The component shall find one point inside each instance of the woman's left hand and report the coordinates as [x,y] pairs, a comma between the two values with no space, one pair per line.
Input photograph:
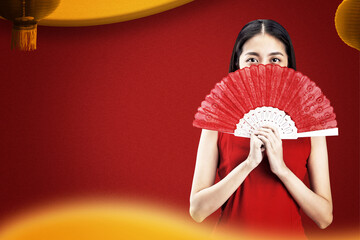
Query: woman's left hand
[273,145]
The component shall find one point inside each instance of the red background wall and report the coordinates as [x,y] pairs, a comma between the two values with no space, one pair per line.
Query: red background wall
[108,110]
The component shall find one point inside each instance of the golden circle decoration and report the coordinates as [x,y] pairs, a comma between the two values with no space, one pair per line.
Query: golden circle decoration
[94,12]
[113,220]
[101,221]
[347,22]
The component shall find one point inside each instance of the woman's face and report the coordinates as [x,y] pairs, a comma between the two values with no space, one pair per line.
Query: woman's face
[263,49]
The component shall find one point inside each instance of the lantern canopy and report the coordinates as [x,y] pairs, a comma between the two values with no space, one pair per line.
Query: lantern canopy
[25,15]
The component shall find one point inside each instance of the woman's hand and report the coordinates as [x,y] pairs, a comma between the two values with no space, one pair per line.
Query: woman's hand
[256,152]
[273,145]
[206,195]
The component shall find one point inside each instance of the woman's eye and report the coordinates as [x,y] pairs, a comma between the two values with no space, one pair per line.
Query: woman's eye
[251,60]
[275,60]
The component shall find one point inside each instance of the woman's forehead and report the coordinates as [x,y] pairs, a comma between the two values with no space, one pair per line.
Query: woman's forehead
[263,43]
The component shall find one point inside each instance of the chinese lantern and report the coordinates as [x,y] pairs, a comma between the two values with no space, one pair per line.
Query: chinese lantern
[25,14]
[347,22]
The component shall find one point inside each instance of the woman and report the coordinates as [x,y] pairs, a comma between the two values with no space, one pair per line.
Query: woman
[261,178]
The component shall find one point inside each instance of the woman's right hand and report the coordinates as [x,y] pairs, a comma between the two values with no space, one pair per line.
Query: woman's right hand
[256,153]
[206,195]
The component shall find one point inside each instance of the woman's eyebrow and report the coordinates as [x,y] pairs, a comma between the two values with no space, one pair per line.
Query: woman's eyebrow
[252,53]
[276,53]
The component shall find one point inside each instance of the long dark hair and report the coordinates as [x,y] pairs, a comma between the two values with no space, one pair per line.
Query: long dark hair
[255,27]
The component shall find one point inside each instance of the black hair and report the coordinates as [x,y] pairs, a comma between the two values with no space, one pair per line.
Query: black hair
[255,27]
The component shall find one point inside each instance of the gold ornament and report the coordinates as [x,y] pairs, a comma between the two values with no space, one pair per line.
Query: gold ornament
[25,15]
[347,22]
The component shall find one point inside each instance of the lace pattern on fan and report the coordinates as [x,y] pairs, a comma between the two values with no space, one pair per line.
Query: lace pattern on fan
[242,92]
[266,116]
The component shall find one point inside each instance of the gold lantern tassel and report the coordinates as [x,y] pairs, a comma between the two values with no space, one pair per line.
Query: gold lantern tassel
[23,35]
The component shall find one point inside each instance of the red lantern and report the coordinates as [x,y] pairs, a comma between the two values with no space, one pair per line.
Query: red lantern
[25,15]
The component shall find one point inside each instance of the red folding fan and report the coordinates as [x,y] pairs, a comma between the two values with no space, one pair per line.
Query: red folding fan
[267,95]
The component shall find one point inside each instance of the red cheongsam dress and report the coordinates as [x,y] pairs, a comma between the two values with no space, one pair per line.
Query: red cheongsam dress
[262,202]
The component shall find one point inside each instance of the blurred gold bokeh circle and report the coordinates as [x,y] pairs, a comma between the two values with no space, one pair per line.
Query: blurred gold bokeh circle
[100,219]
[93,12]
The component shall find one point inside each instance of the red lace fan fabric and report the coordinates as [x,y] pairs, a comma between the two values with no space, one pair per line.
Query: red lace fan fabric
[265,85]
